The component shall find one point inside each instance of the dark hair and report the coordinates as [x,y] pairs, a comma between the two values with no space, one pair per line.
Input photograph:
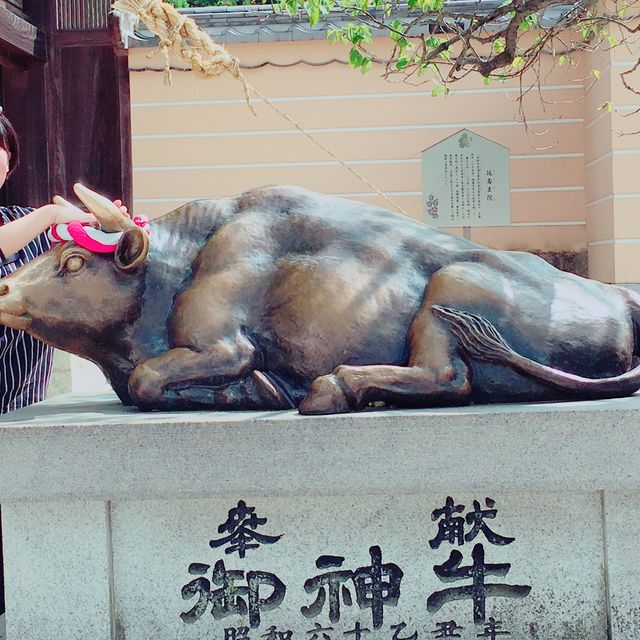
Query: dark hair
[9,141]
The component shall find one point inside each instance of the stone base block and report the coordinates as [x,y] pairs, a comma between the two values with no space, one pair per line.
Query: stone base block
[480,522]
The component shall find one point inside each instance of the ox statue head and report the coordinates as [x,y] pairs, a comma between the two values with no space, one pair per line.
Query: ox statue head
[73,298]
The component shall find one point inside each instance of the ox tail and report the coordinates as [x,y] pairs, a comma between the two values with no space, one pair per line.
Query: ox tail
[480,340]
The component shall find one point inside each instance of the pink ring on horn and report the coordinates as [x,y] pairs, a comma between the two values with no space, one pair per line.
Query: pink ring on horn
[93,239]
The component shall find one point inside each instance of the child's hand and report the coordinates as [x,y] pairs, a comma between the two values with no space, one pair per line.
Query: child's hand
[59,201]
[122,207]
[59,214]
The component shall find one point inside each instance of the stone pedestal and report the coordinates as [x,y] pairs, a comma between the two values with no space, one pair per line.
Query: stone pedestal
[472,522]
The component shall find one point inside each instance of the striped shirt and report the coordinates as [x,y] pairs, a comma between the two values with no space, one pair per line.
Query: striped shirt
[25,363]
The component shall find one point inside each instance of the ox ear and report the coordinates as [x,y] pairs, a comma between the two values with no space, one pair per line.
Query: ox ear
[132,249]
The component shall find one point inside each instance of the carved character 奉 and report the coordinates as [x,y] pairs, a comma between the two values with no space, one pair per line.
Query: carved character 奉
[281,297]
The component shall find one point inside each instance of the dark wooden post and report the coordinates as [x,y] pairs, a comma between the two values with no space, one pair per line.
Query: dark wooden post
[22,66]
[69,100]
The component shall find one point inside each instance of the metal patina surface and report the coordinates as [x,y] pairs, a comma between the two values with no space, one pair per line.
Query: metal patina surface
[282,298]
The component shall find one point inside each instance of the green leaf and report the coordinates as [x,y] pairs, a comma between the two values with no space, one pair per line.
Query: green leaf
[589,28]
[366,64]
[518,63]
[596,74]
[613,41]
[486,80]
[562,60]
[396,30]
[429,66]
[287,7]
[402,63]
[336,35]
[355,58]
[314,14]
[528,22]
[357,33]
[437,91]
[499,45]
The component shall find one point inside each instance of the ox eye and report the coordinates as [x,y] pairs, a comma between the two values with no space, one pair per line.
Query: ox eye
[73,264]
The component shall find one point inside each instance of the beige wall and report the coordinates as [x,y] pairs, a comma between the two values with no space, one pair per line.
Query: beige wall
[612,155]
[197,138]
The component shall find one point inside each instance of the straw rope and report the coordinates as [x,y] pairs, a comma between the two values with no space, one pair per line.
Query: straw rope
[181,34]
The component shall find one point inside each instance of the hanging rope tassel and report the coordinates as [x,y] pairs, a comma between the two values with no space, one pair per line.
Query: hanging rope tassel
[181,34]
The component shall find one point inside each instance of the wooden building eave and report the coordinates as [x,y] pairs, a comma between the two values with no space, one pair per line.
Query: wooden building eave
[20,41]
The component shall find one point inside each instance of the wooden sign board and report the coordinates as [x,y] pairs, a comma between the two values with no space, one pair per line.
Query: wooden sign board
[465,182]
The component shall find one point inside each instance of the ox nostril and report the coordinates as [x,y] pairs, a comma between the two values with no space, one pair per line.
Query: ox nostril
[4,289]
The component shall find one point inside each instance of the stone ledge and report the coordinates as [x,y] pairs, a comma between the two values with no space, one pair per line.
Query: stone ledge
[89,447]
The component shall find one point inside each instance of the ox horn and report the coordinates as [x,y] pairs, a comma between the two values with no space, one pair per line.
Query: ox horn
[109,216]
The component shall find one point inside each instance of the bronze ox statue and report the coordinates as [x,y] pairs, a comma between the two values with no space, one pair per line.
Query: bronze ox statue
[281,297]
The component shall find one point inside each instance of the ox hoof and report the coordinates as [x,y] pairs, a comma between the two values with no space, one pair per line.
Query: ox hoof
[325,396]
[145,387]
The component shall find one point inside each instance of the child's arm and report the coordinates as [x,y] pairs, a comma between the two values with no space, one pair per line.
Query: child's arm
[18,233]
